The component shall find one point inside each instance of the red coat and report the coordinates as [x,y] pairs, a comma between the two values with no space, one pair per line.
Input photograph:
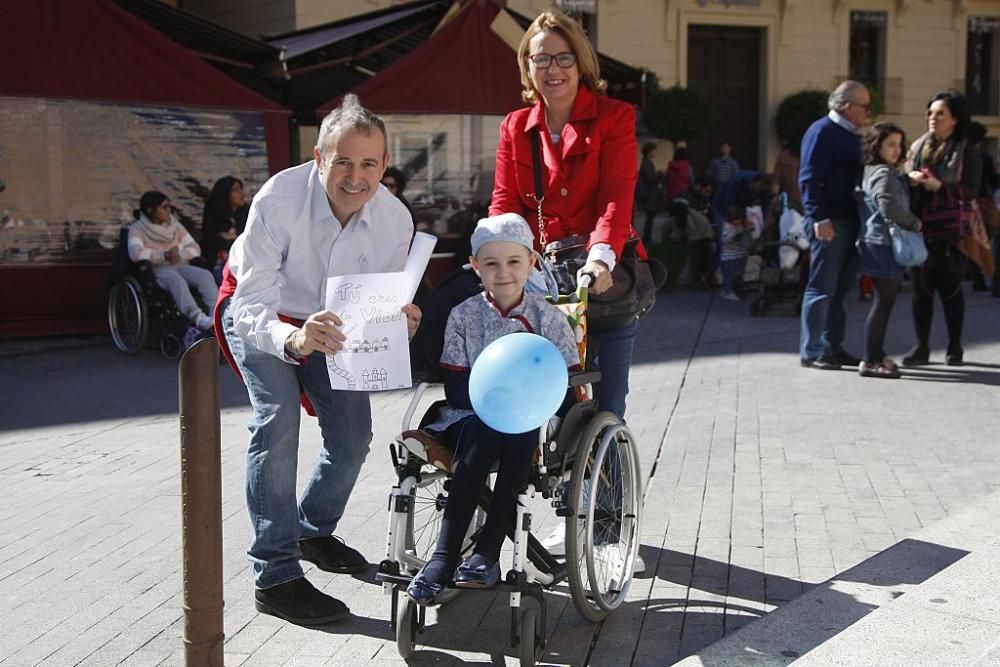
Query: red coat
[589,176]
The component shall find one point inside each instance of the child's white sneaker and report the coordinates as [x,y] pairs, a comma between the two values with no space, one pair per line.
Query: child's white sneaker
[730,296]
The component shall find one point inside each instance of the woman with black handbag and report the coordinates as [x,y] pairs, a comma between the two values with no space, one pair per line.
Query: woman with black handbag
[568,165]
[945,171]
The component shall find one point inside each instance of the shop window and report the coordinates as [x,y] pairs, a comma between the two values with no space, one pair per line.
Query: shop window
[867,49]
[981,65]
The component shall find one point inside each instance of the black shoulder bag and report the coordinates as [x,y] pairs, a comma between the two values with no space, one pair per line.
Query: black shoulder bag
[633,291]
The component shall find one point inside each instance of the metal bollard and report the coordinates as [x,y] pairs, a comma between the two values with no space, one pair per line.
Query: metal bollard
[201,504]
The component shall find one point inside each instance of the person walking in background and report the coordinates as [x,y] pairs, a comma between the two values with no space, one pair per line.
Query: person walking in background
[219,224]
[942,160]
[691,210]
[987,206]
[735,240]
[648,196]
[395,181]
[887,200]
[829,171]
[679,175]
[724,166]
[786,175]
[159,238]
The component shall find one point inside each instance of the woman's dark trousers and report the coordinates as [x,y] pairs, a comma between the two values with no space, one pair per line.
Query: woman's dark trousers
[942,273]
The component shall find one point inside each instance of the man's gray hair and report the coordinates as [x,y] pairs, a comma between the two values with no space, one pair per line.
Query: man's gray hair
[844,94]
[349,115]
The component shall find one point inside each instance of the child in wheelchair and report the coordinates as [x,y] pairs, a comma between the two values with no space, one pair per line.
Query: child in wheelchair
[502,256]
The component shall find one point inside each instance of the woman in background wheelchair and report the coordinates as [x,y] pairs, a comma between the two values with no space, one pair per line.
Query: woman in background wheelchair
[159,238]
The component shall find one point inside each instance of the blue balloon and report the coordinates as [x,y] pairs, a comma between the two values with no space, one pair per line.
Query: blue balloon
[518,382]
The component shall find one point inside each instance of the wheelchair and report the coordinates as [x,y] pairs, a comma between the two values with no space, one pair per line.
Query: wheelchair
[586,464]
[141,314]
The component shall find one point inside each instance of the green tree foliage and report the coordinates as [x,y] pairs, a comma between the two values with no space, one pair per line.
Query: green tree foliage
[677,113]
[797,112]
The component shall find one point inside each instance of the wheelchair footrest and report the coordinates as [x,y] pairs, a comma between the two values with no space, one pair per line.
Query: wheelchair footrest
[402,581]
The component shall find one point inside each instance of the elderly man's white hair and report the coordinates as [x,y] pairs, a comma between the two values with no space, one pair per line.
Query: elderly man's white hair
[844,94]
[349,115]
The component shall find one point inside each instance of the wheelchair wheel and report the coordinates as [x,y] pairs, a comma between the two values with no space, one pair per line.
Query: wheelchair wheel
[407,625]
[170,346]
[602,533]
[527,643]
[423,524]
[127,317]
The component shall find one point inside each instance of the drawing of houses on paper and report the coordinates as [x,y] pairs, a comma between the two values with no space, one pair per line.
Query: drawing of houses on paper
[374,379]
[376,354]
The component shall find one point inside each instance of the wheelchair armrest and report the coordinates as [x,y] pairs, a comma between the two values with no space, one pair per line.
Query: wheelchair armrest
[580,378]
[200,262]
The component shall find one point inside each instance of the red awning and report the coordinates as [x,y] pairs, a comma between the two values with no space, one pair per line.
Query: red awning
[465,68]
[95,50]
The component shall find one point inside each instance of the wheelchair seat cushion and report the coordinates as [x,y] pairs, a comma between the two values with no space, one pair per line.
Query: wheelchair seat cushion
[428,448]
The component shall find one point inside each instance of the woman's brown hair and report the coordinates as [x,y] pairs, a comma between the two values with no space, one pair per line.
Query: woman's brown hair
[878,133]
[570,30]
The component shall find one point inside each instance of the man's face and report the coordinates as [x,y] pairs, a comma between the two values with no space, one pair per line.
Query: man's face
[858,109]
[351,170]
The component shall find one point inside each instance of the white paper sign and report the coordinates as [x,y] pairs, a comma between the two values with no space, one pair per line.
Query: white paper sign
[376,354]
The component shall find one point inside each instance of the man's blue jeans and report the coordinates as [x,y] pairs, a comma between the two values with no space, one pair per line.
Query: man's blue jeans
[832,273]
[613,359]
[279,519]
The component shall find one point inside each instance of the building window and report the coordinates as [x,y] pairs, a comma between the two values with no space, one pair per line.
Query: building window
[981,65]
[584,11]
[867,49]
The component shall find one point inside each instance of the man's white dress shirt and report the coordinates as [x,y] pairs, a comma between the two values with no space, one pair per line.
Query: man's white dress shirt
[293,243]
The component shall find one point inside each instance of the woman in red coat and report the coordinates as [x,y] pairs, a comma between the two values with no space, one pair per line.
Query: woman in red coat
[589,154]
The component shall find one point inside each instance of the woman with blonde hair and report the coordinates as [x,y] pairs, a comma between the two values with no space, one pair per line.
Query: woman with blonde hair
[587,149]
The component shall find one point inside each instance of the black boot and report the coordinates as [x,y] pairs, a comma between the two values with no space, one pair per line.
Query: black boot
[953,357]
[918,356]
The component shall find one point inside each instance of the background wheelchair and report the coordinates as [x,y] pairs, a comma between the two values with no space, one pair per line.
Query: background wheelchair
[586,464]
[140,313]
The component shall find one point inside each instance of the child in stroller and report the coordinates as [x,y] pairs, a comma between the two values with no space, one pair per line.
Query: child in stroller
[778,263]
[502,249]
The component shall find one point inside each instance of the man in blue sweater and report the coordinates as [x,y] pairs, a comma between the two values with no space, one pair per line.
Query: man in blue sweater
[829,170]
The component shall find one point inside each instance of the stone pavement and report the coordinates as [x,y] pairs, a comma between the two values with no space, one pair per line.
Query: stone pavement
[763,479]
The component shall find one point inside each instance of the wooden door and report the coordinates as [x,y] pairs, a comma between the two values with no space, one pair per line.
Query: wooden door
[724,62]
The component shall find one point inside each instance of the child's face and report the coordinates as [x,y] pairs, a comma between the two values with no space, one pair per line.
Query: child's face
[503,267]
[725,149]
[891,148]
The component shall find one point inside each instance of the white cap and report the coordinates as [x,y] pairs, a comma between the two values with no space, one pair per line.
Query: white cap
[508,227]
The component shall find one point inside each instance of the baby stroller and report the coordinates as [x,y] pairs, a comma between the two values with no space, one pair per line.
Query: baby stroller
[586,464]
[777,267]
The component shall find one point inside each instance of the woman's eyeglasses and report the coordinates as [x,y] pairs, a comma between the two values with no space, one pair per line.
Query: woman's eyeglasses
[544,60]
